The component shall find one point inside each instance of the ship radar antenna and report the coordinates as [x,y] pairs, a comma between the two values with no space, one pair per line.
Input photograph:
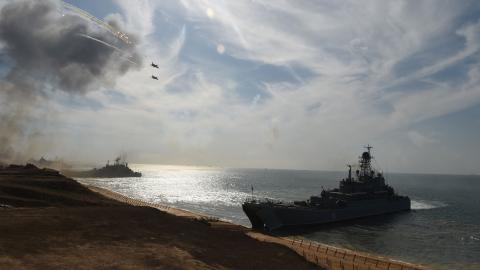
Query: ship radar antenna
[368,147]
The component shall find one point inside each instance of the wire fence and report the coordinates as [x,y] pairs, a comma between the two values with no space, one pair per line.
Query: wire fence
[129,200]
[341,259]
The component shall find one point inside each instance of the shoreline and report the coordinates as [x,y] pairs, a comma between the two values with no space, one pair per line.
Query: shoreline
[52,221]
[323,255]
[49,221]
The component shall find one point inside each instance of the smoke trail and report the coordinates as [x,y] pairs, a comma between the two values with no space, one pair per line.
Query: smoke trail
[111,26]
[41,52]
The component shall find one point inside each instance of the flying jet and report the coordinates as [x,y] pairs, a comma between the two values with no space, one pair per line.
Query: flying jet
[155,78]
[154,65]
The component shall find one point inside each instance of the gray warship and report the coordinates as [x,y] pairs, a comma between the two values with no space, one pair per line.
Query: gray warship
[362,195]
[116,170]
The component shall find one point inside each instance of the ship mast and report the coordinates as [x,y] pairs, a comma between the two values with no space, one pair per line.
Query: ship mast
[365,163]
[349,179]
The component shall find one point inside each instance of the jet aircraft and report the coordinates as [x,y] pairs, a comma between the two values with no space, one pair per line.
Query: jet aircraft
[154,65]
[155,78]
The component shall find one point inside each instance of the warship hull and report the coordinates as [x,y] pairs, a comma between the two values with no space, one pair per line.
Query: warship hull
[271,216]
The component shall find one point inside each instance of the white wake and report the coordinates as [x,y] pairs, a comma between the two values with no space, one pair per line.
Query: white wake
[423,205]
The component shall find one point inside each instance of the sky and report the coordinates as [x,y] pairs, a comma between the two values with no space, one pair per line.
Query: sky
[281,84]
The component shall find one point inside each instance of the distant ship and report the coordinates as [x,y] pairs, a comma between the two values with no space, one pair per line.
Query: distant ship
[118,169]
[56,164]
[362,195]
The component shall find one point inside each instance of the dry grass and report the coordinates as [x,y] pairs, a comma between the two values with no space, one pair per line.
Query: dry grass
[81,229]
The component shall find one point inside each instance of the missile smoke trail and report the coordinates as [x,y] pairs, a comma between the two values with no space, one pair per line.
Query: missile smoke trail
[113,30]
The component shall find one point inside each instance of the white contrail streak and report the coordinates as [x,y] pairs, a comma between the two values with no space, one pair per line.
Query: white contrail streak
[80,12]
[111,46]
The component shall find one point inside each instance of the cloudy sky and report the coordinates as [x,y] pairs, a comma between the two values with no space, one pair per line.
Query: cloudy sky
[282,84]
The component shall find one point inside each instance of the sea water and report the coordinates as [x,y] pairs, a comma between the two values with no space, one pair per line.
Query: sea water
[442,230]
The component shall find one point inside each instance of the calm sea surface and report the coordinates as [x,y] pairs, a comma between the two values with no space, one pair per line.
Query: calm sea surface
[443,230]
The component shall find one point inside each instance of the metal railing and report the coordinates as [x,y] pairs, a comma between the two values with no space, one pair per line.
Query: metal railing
[341,259]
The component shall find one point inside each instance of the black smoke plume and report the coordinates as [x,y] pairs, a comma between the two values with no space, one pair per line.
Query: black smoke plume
[43,50]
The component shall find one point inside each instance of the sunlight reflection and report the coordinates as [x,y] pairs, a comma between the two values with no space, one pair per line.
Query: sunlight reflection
[210,13]
[180,185]
[220,48]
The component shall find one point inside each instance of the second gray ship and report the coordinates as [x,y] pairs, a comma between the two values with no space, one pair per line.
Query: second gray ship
[116,170]
[361,195]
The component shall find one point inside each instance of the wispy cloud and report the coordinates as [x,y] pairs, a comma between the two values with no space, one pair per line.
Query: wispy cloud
[349,65]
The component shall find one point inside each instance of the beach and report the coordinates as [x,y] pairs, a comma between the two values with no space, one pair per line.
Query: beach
[50,221]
